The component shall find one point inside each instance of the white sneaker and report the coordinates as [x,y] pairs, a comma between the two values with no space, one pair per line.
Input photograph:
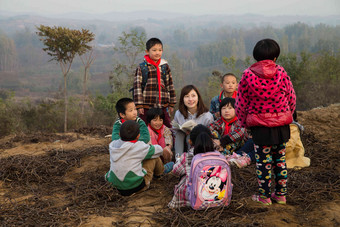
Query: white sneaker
[242,161]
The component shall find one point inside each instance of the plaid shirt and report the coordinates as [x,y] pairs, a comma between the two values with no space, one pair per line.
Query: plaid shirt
[149,97]
[182,168]
[236,133]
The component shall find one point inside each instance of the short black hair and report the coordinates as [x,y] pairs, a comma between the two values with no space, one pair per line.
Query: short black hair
[121,105]
[129,130]
[227,101]
[266,49]
[151,42]
[227,74]
[153,113]
[197,130]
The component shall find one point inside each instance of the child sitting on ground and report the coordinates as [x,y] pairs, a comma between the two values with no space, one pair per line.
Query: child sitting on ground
[153,86]
[201,138]
[229,87]
[133,162]
[233,140]
[159,133]
[126,110]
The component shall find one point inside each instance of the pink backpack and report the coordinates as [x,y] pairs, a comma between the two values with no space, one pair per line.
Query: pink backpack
[209,181]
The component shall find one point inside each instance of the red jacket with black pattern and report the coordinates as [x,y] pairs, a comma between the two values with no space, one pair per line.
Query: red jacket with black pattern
[266,96]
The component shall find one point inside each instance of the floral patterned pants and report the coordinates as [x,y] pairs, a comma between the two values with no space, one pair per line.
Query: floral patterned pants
[268,158]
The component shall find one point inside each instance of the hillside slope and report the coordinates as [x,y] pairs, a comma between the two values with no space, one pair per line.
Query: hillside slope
[58,179]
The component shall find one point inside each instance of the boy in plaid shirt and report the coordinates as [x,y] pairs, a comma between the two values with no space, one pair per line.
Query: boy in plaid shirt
[158,91]
[232,139]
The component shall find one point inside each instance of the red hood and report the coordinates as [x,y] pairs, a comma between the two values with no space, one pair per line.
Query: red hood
[265,69]
[264,76]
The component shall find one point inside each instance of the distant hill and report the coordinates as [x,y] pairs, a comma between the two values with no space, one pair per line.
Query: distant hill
[194,44]
[122,16]
[10,21]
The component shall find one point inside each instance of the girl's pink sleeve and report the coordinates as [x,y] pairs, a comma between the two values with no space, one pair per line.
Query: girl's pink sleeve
[242,102]
[291,95]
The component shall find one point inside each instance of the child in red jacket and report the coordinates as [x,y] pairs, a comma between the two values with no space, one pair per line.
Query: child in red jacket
[159,133]
[265,103]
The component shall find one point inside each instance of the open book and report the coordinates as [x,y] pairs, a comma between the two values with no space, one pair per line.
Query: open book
[185,127]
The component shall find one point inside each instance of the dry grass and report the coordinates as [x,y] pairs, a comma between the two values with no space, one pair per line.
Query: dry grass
[48,200]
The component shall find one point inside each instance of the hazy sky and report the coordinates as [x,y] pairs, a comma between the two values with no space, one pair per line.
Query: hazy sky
[197,7]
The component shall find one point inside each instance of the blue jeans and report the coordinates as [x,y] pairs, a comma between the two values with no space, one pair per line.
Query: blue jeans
[249,149]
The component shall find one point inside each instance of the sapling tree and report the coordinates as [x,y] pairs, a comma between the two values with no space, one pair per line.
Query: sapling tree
[87,59]
[63,44]
[131,44]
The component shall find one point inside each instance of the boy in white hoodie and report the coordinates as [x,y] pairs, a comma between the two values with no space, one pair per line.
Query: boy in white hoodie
[133,162]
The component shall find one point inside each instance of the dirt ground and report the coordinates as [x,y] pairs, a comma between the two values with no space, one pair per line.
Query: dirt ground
[58,180]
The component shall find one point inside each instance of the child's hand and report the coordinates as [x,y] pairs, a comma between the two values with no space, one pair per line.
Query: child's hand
[141,111]
[217,142]
[217,114]
[171,110]
[217,145]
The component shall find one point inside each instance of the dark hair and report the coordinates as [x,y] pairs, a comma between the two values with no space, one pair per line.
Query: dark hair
[129,130]
[295,116]
[201,137]
[227,101]
[266,49]
[227,74]
[151,42]
[121,105]
[201,108]
[153,113]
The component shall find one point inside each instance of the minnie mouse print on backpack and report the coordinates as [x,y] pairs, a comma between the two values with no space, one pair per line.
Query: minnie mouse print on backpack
[210,181]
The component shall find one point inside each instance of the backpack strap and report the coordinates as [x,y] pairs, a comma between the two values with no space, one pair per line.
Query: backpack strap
[145,74]
[210,153]
[163,72]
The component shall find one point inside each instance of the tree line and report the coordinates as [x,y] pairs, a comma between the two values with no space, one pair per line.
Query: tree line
[312,60]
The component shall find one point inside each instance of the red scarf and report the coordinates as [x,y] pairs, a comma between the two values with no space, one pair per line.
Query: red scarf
[133,141]
[156,64]
[228,124]
[122,120]
[158,131]
[234,94]
[222,93]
